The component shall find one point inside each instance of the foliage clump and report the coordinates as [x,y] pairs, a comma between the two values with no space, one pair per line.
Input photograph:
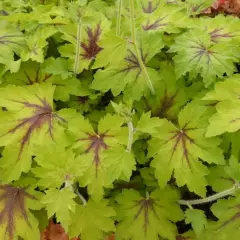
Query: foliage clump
[119,117]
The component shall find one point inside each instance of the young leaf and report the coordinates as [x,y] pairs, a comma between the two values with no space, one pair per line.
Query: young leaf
[219,179]
[146,124]
[61,203]
[148,218]
[178,149]
[197,218]
[16,220]
[94,219]
[226,119]
[36,44]
[57,166]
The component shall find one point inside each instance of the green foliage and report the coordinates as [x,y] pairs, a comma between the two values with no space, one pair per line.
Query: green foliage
[112,113]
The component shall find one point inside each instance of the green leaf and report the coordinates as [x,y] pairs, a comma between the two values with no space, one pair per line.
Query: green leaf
[148,218]
[61,203]
[196,7]
[171,95]
[198,55]
[197,219]
[163,17]
[32,72]
[11,42]
[126,75]
[219,179]
[226,119]
[58,66]
[148,177]
[56,165]
[227,211]
[15,215]
[29,120]
[36,44]
[114,50]
[83,38]
[97,148]
[178,148]
[149,125]
[92,220]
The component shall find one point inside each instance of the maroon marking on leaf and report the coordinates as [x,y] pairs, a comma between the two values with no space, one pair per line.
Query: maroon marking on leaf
[234,120]
[150,8]
[5,39]
[232,219]
[212,104]
[181,138]
[91,48]
[82,100]
[96,144]
[166,103]
[201,51]
[133,64]
[229,179]
[155,25]
[37,79]
[217,33]
[144,206]
[179,237]
[42,114]
[14,203]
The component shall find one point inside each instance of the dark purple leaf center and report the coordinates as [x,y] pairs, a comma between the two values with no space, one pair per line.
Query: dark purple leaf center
[96,145]
[145,206]
[181,139]
[155,25]
[150,8]
[37,78]
[90,47]
[13,200]
[41,114]
[133,63]
[167,101]
[201,51]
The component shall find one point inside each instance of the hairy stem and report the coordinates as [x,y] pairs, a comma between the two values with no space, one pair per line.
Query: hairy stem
[78,43]
[130,136]
[119,17]
[212,198]
[134,41]
[84,201]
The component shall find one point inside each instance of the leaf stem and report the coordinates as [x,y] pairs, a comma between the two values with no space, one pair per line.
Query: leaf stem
[139,57]
[130,136]
[119,17]
[212,198]
[84,201]
[76,61]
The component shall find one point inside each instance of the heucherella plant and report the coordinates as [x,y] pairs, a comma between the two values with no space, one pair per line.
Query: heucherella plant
[119,118]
